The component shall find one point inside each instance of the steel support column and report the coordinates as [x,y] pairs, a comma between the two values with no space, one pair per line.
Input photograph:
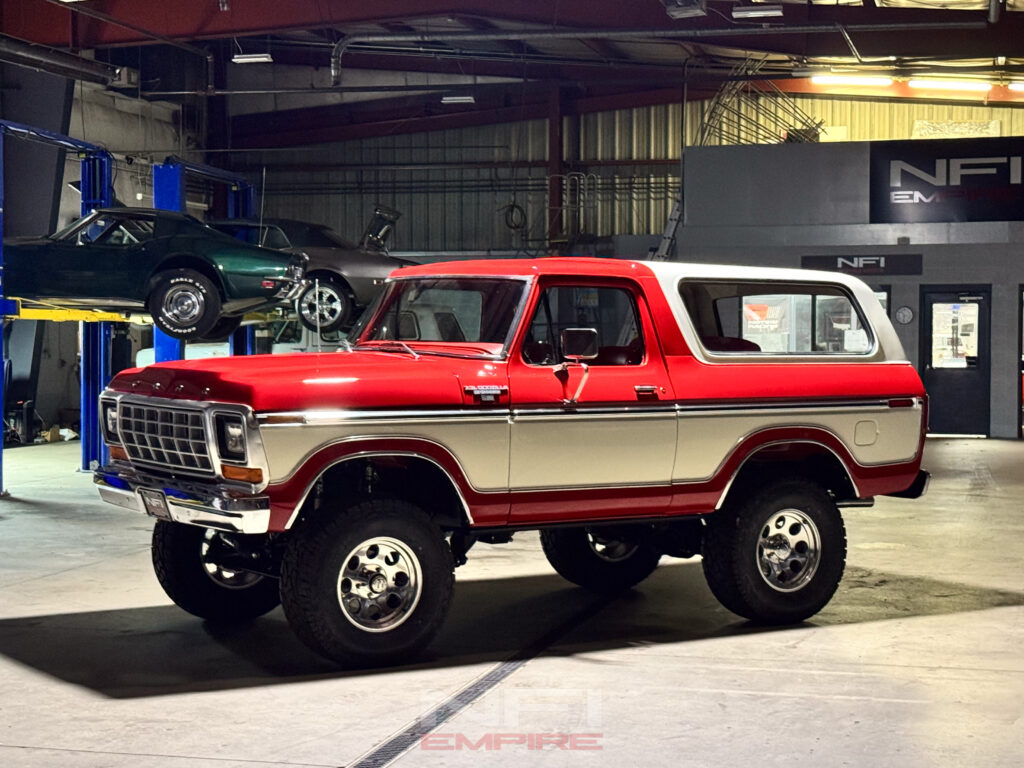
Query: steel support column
[168,194]
[97,192]
[556,166]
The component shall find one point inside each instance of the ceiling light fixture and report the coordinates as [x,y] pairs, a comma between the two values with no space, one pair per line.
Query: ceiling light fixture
[466,99]
[1016,86]
[756,11]
[851,80]
[951,85]
[685,9]
[252,58]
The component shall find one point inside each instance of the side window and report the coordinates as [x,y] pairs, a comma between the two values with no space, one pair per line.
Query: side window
[775,318]
[127,232]
[610,311]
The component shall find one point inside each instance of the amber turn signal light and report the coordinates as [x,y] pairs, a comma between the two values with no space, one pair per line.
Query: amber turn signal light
[245,474]
[119,453]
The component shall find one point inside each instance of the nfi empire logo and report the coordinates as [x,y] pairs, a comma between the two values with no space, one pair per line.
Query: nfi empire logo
[947,180]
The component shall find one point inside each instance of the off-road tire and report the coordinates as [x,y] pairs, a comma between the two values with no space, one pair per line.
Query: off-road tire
[322,559]
[220,595]
[778,556]
[599,563]
[184,304]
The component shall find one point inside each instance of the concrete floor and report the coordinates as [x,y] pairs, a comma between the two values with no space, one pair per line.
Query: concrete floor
[916,662]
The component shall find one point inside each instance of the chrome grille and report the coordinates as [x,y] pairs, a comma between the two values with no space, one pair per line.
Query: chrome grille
[164,437]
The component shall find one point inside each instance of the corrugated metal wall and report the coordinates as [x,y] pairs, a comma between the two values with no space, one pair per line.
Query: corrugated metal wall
[486,188]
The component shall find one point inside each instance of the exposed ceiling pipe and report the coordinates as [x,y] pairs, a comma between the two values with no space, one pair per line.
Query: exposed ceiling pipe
[694,35]
[84,10]
[849,43]
[40,57]
[994,8]
[445,88]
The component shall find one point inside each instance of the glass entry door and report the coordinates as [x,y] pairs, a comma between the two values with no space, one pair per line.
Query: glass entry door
[955,351]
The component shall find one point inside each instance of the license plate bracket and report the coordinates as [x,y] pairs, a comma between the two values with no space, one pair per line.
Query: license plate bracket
[155,502]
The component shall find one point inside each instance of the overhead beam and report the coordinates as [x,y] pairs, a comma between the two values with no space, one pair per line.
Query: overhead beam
[41,22]
[44,22]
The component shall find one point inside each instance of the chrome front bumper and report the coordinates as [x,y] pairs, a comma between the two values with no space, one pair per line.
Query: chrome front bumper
[208,507]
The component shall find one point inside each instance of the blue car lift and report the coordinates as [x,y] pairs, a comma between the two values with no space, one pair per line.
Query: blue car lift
[169,194]
[97,192]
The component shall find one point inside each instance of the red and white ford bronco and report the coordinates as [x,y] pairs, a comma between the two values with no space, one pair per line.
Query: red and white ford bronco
[627,410]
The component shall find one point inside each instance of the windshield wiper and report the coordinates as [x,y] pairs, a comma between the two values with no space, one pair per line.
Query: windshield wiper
[388,345]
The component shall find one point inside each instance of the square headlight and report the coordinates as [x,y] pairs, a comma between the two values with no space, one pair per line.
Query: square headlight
[108,419]
[230,437]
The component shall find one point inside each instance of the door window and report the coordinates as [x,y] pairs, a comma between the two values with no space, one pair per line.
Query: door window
[612,312]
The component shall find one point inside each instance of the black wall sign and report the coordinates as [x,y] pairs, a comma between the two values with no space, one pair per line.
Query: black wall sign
[891,264]
[947,180]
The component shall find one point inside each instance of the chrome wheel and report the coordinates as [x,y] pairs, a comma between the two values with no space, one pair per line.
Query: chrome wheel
[221,576]
[324,305]
[184,304]
[788,550]
[380,584]
[611,550]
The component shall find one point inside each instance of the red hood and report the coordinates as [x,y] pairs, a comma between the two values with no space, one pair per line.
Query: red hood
[351,380]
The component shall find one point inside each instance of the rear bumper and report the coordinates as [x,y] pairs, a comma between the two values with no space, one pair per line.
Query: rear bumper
[917,489]
[211,506]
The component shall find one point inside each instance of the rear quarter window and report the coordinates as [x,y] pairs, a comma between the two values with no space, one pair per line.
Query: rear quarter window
[776,319]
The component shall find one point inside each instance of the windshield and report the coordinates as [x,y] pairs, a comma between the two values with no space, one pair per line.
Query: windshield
[470,311]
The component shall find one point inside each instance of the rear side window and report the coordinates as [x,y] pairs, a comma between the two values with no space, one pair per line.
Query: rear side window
[775,318]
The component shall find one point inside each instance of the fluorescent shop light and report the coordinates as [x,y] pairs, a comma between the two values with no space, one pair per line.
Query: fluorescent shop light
[850,80]
[252,58]
[755,11]
[951,85]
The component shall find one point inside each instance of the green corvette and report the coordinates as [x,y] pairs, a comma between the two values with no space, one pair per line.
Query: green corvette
[195,281]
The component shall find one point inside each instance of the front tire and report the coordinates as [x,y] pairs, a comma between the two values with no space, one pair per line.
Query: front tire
[600,560]
[325,305]
[369,586]
[186,570]
[779,556]
[184,304]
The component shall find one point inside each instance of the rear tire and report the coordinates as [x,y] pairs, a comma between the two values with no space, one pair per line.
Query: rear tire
[189,577]
[599,560]
[369,586]
[778,557]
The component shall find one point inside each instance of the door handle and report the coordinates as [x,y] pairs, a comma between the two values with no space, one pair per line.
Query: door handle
[646,390]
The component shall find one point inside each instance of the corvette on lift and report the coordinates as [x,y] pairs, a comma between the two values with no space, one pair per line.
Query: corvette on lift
[196,282]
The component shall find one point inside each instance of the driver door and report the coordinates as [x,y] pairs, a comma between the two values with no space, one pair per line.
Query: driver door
[604,426]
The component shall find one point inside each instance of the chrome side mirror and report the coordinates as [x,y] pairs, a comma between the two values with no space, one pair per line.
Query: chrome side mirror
[578,344]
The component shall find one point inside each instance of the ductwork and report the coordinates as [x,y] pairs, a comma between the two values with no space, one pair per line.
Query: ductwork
[44,59]
[687,35]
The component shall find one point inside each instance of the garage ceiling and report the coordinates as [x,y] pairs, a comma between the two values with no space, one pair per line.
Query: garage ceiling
[344,70]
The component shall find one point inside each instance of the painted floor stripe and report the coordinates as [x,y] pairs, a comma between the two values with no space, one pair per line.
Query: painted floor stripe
[409,737]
